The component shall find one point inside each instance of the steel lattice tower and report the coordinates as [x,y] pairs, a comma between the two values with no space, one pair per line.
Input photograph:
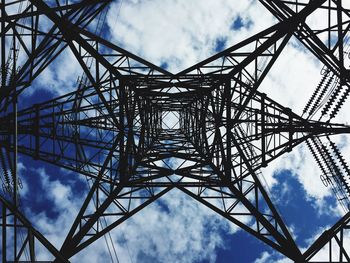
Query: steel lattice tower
[112,129]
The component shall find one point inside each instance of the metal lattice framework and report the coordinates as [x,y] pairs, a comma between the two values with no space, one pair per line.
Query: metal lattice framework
[112,128]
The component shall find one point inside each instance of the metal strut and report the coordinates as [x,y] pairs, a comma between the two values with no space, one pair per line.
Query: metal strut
[113,129]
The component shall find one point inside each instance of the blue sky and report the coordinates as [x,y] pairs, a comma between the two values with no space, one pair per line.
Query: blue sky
[175,35]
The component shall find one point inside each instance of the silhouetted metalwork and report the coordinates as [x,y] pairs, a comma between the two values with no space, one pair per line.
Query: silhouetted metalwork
[332,243]
[114,127]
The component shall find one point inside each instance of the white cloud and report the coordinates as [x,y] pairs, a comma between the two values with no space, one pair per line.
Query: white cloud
[65,203]
[58,78]
[182,32]
[263,258]
[267,257]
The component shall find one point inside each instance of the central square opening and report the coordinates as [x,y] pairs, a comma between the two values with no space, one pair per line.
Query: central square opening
[170,120]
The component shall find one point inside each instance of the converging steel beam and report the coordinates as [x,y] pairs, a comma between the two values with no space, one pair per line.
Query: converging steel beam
[137,131]
[14,225]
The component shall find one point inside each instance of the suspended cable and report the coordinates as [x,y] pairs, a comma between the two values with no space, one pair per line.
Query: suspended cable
[109,250]
[118,13]
[112,243]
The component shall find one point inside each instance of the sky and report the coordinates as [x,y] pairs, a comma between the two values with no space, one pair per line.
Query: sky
[175,35]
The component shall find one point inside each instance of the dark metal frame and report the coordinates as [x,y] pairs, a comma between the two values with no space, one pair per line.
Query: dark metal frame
[111,128]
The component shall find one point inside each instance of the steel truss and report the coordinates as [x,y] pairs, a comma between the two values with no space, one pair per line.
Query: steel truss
[113,128]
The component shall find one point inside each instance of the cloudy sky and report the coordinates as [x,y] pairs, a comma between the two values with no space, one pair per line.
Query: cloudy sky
[175,34]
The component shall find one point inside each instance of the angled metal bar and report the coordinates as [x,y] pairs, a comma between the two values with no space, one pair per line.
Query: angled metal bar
[11,214]
[322,244]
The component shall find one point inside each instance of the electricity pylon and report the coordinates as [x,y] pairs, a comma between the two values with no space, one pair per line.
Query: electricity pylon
[113,128]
